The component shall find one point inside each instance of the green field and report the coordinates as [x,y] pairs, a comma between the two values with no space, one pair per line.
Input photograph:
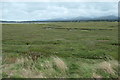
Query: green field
[60,49]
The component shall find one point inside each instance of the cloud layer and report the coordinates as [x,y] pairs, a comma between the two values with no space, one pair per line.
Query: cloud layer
[50,10]
[60,0]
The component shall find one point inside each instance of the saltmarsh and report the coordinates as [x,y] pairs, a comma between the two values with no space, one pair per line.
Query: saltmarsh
[60,49]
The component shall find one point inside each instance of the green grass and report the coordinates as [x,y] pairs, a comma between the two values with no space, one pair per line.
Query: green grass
[81,46]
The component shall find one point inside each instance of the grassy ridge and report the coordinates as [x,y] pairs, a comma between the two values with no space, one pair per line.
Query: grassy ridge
[70,49]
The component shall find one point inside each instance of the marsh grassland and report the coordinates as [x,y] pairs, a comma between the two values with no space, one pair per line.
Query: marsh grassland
[60,50]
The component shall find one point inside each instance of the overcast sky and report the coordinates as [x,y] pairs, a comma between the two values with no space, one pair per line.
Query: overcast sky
[20,11]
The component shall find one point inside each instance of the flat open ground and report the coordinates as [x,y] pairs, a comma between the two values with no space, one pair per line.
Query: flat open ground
[61,49]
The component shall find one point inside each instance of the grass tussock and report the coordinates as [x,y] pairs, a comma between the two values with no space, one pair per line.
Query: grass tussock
[60,63]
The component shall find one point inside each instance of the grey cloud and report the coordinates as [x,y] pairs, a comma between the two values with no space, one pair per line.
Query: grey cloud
[48,10]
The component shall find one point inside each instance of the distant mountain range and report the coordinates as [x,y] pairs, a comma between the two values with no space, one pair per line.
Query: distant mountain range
[76,19]
[80,18]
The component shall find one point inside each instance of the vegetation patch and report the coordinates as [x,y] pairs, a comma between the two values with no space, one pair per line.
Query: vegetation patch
[60,50]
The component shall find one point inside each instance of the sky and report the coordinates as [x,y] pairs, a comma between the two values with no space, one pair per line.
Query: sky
[26,11]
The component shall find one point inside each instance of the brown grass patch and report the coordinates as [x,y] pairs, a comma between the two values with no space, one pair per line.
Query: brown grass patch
[107,66]
[96,75]
[28,73]
[60,63]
